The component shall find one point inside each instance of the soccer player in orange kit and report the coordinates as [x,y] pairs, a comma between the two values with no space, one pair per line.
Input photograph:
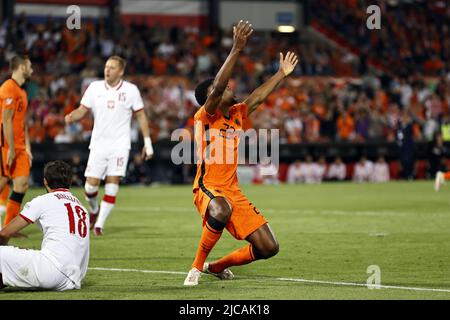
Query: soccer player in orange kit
[15,153]
[217,195]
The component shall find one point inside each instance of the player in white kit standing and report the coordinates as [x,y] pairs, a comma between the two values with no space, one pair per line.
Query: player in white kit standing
[62,262]
[112,102]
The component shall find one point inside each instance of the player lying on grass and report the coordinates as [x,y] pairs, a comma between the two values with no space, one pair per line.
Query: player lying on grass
[217,195]
[62,262]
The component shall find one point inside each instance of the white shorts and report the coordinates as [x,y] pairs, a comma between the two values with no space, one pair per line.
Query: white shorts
[102,163]
[30,269]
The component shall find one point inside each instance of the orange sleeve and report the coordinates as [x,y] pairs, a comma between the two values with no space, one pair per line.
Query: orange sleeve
[8,96]
[204,116]
[243,108]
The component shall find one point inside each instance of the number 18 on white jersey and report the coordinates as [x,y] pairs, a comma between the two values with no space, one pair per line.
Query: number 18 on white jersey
[65,224]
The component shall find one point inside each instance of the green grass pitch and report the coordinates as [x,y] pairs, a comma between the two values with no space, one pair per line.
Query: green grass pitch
[329,232]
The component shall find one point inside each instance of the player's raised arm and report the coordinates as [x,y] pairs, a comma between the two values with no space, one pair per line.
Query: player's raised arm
[287,65]
[241,32]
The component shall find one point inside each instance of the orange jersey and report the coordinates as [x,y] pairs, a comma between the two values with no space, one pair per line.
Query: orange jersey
[13,97]
[217,139]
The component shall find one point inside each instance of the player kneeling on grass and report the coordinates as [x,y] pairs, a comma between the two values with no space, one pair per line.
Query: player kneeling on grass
[62,262]
[217,194]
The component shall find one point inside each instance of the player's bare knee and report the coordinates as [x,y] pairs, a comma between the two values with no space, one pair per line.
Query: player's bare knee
[273,249]
[113,179]
[93,181]
[21,186]
[220,210]
[266,251]
[270,250]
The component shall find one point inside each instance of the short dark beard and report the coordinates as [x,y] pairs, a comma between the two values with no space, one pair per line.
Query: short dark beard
[231,103]
[228,105]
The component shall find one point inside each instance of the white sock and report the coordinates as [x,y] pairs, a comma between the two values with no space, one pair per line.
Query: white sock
[107,204]
[91,196]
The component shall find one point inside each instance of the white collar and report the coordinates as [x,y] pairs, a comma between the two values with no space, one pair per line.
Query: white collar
[117,87]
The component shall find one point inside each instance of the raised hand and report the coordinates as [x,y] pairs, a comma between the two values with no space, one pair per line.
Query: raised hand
[241,32]
[288,63]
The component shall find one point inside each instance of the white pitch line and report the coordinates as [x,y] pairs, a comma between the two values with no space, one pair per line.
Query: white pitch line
[351,284]
[363,285]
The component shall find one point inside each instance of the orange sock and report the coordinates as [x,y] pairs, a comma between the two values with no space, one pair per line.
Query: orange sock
[447,175]
[236,258]
[4,195]
[13,206]
[210,236]
[12,210]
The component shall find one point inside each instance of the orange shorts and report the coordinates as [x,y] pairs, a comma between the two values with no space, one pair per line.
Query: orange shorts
[245,217]
[20,166]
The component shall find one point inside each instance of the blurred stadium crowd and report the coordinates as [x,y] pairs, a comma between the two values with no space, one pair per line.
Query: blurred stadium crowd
[304,109]
[334,95]
[310,171]
[414,38]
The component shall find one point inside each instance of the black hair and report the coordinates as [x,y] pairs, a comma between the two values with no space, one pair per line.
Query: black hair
[201,91]
[58,174]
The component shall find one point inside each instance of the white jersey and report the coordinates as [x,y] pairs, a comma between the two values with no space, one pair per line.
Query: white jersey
[337,171]
[319,172]
[380,172]
[112,109]
[65,224]
[307,172]
[363,172]
[294,174]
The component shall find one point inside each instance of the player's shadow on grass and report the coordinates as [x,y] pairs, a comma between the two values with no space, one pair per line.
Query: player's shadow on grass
[15,290]
[155,287]
[150,258]
[26,291]
[130,232]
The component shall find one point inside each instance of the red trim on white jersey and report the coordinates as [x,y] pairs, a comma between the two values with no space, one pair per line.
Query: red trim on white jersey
[60,190]
[116,87]
[138,110]
[25,218]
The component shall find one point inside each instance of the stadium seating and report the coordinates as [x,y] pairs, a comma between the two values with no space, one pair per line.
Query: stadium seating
[306,108]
